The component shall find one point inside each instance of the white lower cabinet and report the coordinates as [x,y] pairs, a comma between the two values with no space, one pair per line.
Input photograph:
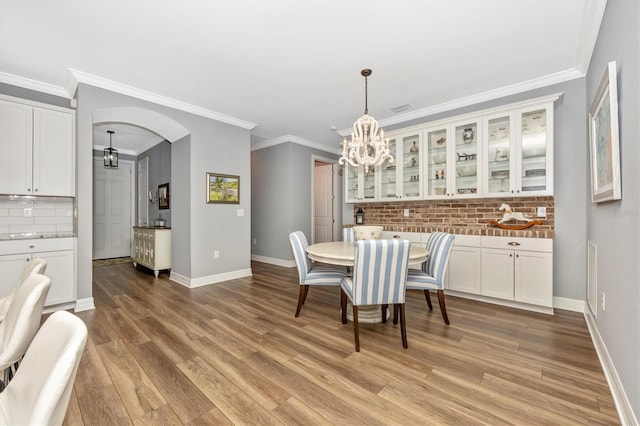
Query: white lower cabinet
[152,248]
[463,273]
[59,254]
[518,269]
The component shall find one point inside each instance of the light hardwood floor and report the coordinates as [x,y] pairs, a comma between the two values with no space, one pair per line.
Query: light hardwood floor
[233,353]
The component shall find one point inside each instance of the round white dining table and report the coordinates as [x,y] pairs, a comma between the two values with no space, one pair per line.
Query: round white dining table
[343,253]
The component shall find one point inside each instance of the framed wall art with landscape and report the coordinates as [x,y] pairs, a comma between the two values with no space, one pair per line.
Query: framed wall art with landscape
[223,188]
[604,143]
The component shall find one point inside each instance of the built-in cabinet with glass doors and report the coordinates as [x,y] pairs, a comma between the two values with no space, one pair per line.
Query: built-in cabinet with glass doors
[500,152]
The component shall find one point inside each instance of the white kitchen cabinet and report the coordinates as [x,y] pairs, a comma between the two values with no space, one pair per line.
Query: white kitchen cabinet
[152,248]
[519,152]
[400,180]
[60,257]
[463,273]
[360,185]
[38,145]
[453,156]
[518,269]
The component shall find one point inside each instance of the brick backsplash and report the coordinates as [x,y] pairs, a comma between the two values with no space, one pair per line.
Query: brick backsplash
[464,216]
[48,214]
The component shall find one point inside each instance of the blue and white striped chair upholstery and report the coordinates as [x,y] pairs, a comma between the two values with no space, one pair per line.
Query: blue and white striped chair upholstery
[431,277]
[348,235]
[379,278]
[308,274]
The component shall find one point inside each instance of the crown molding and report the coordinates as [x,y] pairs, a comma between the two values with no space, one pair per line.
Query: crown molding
[38,86]
[591,21]
[293,139]
[75,77]
[490,95]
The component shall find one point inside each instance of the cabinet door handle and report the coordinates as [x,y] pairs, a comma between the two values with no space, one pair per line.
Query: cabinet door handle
[510,254]
[28,189]
[517,255]
[513,243]
[35,190]
[31,246]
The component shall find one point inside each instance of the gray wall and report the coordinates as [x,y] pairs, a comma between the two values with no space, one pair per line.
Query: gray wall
[570,151]
[198,228]
[159,173]
[614,226]
[281,177]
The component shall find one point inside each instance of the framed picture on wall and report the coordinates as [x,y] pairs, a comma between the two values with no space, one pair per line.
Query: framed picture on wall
[604,141]
[223,188]
[163,196]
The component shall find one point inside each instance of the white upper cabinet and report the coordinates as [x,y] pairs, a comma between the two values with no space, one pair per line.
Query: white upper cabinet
[519,152]
[401,179]
[453,155]
[505,151]
[38,146]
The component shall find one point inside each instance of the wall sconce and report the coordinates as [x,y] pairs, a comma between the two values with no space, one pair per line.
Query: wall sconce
[151,200]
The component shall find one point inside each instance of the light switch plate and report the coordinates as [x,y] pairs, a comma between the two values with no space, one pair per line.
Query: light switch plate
[542,212]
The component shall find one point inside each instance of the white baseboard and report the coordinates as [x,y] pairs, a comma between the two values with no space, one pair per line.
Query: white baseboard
[84,304]
[274,261]
[209,279]
[623,406]
[572,305]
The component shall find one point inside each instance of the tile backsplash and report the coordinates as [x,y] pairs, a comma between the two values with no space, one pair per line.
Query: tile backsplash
[463,216]
[35,214]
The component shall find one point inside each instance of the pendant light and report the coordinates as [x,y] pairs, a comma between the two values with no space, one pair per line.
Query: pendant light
[367,147]
[110,154]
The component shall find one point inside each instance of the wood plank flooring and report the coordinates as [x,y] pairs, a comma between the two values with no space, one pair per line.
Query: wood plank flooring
[233,353]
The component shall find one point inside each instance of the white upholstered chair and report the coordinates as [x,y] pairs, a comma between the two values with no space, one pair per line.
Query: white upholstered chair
[309,274]
[35,266]
[431,276]
[40,391]
[22,321]
[379,278]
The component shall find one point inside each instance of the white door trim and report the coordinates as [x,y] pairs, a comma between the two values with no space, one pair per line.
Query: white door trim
[336,202]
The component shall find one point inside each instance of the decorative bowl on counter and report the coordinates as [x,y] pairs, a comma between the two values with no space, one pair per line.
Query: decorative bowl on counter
[367,232]
[440,190]
[412,194]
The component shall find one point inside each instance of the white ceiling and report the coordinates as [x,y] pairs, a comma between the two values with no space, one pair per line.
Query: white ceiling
[292,67]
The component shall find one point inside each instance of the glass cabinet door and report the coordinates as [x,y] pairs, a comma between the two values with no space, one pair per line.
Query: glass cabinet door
[352,184]
[411,167]
[499,171]
[466,159]
[368,184]
[388,180]
[436,147]
[533,151]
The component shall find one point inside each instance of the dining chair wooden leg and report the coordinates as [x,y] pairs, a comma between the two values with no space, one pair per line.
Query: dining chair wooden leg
[384,312]
[395,313]
[356,329]
[343,305]
[403,326]
[304,289]
[443,307]
[426,296]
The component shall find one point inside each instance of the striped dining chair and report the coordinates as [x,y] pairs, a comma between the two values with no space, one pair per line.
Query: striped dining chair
[348,235]
[309,274]
[431,276]
[379,278]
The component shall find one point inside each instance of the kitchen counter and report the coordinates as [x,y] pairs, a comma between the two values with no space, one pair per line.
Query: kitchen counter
[153,227]
[36,235]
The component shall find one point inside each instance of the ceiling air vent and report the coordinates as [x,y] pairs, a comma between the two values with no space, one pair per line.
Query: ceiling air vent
[401,108]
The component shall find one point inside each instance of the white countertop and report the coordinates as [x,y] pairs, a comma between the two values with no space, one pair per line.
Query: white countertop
[35,235]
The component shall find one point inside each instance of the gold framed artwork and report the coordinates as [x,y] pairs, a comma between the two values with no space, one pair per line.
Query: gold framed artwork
[604,143]
[224,189]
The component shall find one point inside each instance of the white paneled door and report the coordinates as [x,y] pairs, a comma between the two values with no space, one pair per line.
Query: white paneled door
[112,210]
[323,203]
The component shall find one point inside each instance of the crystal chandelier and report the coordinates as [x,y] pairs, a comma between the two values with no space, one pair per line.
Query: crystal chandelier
[367,148]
